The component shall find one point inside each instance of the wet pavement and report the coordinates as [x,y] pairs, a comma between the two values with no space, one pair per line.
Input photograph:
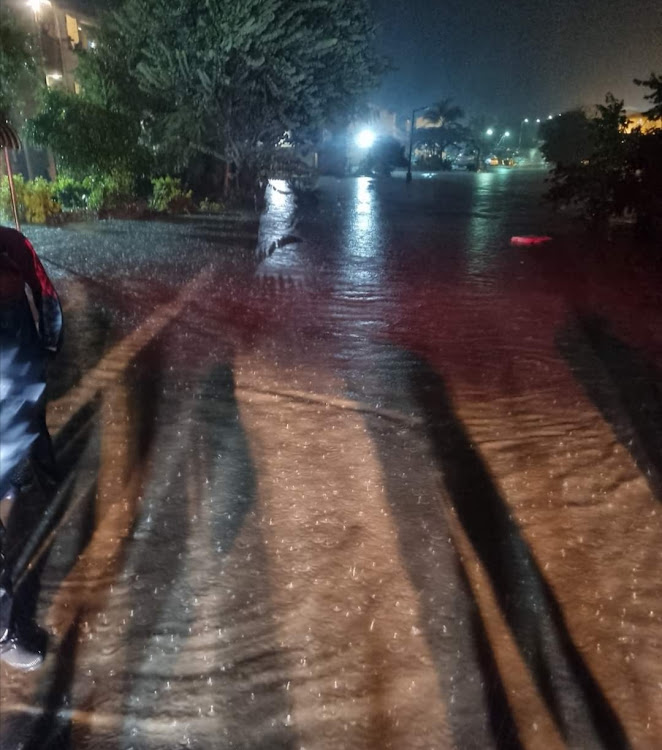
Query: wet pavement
[361,476]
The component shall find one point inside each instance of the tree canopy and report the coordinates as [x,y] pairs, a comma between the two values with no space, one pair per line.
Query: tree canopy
[219,80]
[654,83]
[445,127]
[87,138]
[567,139]
[230,78]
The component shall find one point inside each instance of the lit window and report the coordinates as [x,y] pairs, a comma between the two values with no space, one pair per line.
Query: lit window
[72,29]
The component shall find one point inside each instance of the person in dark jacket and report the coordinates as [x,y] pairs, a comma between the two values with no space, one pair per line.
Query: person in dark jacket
[25,347]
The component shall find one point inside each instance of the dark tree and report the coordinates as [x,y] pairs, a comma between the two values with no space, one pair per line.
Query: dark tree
[654,82]
[445,126]
[567,139]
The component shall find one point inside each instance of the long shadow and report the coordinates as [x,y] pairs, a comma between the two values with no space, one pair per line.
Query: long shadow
[228,459]
[501,719]
[87,335]
[162,629]
[477,708]
[573,697]
[623,385]
[228,464]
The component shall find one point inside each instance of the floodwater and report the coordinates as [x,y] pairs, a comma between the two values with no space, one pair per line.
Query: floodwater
[375,479]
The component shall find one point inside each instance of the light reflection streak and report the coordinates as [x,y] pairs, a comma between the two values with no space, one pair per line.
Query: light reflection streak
[482,227]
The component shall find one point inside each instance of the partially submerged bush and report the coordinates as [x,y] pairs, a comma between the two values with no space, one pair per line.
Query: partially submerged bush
[170,197]
[210,207]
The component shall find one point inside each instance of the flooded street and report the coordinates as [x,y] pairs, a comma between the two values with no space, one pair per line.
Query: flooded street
[364,476]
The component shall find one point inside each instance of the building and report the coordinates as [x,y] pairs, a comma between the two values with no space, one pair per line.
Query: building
[60,29]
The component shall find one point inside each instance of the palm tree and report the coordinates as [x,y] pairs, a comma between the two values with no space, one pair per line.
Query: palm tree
[443,113]
[444,126]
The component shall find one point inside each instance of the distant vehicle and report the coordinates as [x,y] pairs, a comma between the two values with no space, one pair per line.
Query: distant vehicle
[508,161]
[492,161]
[466,161]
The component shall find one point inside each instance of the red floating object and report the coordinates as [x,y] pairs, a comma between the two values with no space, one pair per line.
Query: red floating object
[530,240]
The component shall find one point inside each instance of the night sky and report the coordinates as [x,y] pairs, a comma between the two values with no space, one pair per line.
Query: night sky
[517,59]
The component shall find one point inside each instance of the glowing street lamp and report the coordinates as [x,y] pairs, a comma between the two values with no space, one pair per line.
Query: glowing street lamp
[365,138]
[37,5]
[489,132]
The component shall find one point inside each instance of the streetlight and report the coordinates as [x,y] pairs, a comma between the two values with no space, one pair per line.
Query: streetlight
[489,132]
[525,121]
[365,138]
[505,135]
[37,5]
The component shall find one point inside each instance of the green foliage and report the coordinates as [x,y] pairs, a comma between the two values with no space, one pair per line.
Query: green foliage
[18,76]
[210,207]
[86,138]
[110,191]
[34,198]
[169,196]
[228,78]
[70,193]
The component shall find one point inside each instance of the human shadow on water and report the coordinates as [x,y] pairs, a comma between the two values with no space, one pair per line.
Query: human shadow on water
[572,695]
[624,386]
[185,647]
[227,456]
[88,332]
[253,717]
[477,709]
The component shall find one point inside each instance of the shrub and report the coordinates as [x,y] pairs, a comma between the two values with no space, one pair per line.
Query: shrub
[110,191]
[38,201]
[71,194]
[5,197]
[35,200]
[210,207]
[169,196]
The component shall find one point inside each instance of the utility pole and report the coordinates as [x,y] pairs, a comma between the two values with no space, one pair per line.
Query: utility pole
[411,137]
